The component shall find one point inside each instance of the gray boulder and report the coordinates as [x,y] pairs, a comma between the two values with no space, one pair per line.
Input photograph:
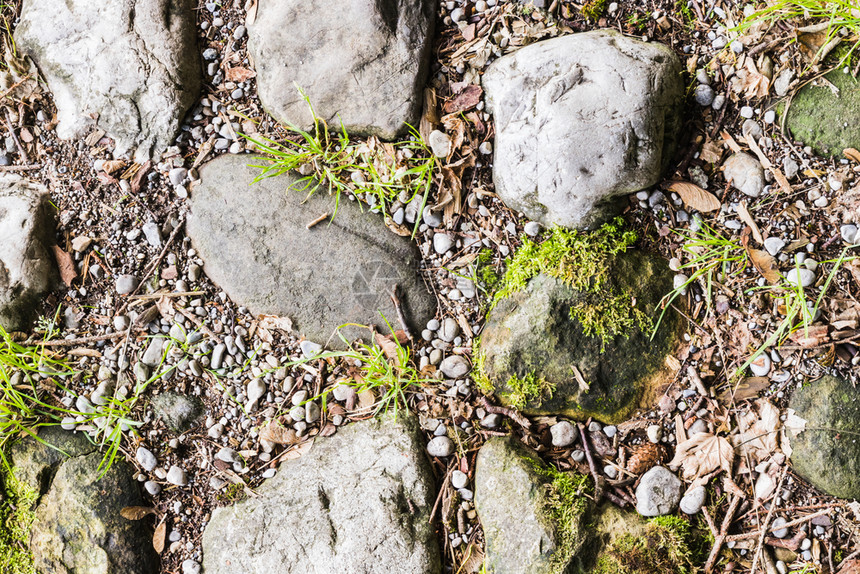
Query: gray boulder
[78,527]
[359,501]
[362,62]
[658,493]
[581,121]
[133,65]
[256,245]
[532,334]
[27,268]
[515,503]
[827,452]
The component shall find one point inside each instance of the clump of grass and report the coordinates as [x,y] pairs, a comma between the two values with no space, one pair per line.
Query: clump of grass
[593,9]
[375,172]
[665,547]
[842,19]
[528,389]
[383,367]
[582,261]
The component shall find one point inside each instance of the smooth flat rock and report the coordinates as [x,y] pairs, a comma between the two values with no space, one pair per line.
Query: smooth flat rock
[362,62]
[78,527]
[134,65]
[581,121]
[827,452]
[27,267]
[359,501]
[256,246]
[532,332]
[512,501]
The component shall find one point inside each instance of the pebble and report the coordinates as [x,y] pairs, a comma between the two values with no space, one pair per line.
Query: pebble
[459,479]
[790,167]
[610,430]
[454,367]
[177,175]
[658,493]
[449,329]
[125,284]
[769,117]
[849,233]
[491,421]
[654,433]
[610,471]
[152,487]
[440,446]
[440,143]
[532,228]
[146,459]
[309,348]
[312,412]
[563,434]
[781,567]
[486,148]
[773,245]
[777,528]
[176,475]
[760,367]
[747,112]
[190,567]
[432,218]
[802,277]
[692,502]
[227,454]
[746,174]
[442,243]
[704,95]
[81,243]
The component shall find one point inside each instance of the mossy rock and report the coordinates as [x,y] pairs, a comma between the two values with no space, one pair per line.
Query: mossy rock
[531,337]
[529,526]
[827,452]
[827,122]
[180,413]
[77,527]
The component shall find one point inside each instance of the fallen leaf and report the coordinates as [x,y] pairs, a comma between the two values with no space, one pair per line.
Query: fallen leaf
[758,436]
[240,74]
[852,154]
[165,307]
[274,322]
[703,454]
[277,434]
[299,451]
[694,196]
[250,12]
[112,165]
[747,388]
[82,352]
[137,512]
[138,176]
[764,264]
[849,567]
[745,216]
[712,152]
[158,537]
[68,273]
[464,100]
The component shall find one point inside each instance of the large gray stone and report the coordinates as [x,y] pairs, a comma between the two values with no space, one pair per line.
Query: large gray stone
[533,333]
[363,62]
[359,501]
[827,452]
[78,528]
[256,246]
[582,120]
[179,412]
[130,66]
[515,507]
[27,268]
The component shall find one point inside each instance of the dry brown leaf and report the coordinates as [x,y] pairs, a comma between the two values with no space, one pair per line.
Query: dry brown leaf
[695,197]
[758,435]
[299,451]
[277,323]
[366,399]
[250,12]
[277,434]
[111,166]
[158,537]
[745,216]
[68,273]
[765,264]
[474,559]
[464,100]
[712,152]
[83,352]
[747,388]
[703,454]
[849,567]
[240,74]
[137,512]
[852,154]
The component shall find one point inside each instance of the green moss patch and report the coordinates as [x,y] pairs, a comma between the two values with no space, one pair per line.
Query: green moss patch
[583,261]
[667,546]
[16,519]
[528,389]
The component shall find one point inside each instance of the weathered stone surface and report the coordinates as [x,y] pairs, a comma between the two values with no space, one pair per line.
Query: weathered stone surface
[511,500]
[78,528]
[256,246]
[827,453]
[366,67]
[532,332]
[132,64]
[582,120]
[357,502]
[27,268]
[179,412]
[823,120]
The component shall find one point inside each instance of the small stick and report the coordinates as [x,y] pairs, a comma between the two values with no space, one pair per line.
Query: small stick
[791,524]
[721,537]
[32,167]
[168,295]
[767,518]
[83,341]
[510,413]
[710,522]
[616,500]
[397,307]
[20,147]
[598,483]
[155,263]
[196,320]
[792,543]
[439,497]
[318,220]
